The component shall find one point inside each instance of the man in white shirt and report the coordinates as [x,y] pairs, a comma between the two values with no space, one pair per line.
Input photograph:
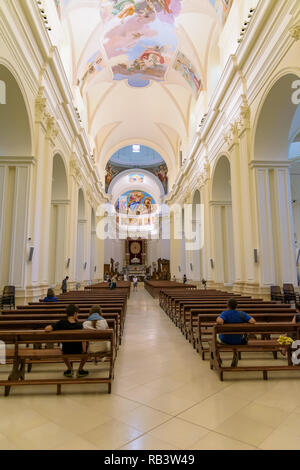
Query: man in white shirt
[135,283]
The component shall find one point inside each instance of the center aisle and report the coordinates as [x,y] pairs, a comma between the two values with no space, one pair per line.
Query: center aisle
[163,397]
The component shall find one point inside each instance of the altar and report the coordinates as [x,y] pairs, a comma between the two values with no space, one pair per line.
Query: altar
[135,258]
[140,271]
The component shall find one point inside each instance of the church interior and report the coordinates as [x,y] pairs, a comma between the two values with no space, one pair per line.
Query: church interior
[149,193]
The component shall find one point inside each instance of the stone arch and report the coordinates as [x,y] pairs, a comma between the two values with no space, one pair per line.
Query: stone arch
[267,144]
[15,121]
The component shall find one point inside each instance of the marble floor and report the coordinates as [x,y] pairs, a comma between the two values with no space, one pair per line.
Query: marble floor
[164,397]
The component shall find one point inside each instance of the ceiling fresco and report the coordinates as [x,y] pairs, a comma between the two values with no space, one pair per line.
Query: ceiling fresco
[141,35]
[222,7]
[139,40]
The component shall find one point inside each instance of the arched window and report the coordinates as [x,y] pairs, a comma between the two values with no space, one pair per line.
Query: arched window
[2,92]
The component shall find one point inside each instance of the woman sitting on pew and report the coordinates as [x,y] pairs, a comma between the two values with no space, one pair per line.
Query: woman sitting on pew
[96,322]
[50,296]
[232,315]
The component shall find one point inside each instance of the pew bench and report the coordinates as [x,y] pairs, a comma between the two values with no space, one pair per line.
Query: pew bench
[266,345]
[202,330]
[20,356]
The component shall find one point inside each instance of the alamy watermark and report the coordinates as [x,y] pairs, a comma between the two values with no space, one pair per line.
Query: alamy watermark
[2,353]
[296,93]
[162,222]
[296,354]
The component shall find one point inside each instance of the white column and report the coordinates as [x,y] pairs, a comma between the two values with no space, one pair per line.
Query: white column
[218,260]
[60,242]
[276,233]
[93,260]
[80,250]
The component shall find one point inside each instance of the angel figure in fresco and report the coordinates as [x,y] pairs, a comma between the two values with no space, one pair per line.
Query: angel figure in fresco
[162,174]
[124,8]
[109,175]
[163,4]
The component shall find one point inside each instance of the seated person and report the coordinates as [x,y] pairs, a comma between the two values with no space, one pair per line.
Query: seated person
[71,323]
[113,284]
[232,315]
[50,296]
[96,322]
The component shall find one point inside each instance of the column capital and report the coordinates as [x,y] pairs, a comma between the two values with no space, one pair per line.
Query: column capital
[40,106]
[232,134]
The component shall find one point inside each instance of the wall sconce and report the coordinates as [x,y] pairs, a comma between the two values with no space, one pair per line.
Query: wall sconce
[212,264]
[255,252]
[95,268]
[179,269]
[85,265]
[68,262]
[191,266]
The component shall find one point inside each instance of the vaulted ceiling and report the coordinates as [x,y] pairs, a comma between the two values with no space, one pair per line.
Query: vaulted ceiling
[140,66]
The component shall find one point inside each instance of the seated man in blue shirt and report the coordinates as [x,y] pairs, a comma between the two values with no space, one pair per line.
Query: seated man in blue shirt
[232,315]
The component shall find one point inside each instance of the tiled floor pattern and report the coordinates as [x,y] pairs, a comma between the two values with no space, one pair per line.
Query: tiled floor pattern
[164,397]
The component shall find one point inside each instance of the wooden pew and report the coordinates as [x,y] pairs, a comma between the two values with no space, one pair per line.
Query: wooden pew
[21,356]
[202,334]
[188,319]
[266,330]
[154,287]
[39,322]
[123,286]
[52,316]
[54,309]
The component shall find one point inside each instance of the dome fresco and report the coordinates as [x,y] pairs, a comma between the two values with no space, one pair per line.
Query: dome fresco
[147,159]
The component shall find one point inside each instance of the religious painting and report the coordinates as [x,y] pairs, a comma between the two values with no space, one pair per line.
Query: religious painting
[136,178]
[140,38]
[111,172]
[135,203]
[94,65]
[162,174]
[134,208]
[187,70]
[223,8]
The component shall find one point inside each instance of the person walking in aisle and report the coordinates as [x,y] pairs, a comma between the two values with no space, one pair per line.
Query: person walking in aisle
[64,285]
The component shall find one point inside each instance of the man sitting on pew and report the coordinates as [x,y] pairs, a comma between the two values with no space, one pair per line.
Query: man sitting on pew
[232,315]
[71,323]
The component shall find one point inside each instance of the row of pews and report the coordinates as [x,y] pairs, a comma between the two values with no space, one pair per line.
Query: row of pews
[154,287]
[26,342]
[122,286]
[195,312]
